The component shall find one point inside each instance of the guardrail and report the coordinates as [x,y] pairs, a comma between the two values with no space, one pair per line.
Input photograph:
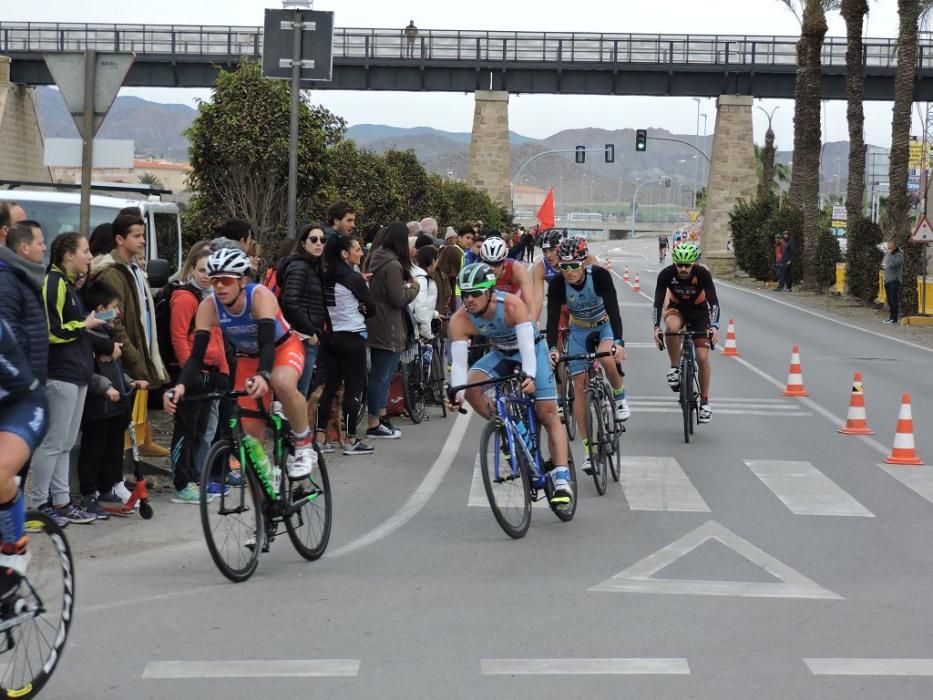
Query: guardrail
[451,45]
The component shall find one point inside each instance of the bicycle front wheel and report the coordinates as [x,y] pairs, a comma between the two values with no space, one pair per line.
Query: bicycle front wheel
[596,430]
[508,486]
[613,445]
[413,389]
[309,512]
[35,620]
[232,522]
[686,400]
[566,391]
[437,377]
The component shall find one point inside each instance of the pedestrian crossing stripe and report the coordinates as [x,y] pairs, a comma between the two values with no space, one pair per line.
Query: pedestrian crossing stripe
[640,577]
[659,484]
[805,490]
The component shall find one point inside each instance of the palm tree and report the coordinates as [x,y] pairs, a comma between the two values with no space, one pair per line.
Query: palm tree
[780,172]
[854,11]
[805,178]
[765,157]
[151,180]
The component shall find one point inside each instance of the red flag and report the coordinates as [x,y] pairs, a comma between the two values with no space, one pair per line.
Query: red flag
[545,215]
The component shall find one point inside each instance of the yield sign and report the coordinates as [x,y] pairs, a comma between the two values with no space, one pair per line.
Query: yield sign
[640,578]
[923,233]
[68,70]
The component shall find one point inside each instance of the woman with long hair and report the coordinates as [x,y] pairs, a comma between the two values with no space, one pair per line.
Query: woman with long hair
[393,289]
[348,305]
[448,267]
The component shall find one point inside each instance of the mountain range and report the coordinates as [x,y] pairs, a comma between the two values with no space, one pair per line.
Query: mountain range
[158,131]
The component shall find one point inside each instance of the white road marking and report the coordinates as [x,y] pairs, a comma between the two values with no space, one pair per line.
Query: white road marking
[422,494]
[784,403]
[631,304]
[639,578]
[271,668]
[585,667]
[658,483]
[640,345]
[672,401]
[870,667]
[478,491]
[917,479]
[805,490]
[722,411]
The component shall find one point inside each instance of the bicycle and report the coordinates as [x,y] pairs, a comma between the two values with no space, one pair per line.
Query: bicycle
[510,457]
[423,382]
[36,618]
[243,521]
[605,433]
[689,395]
[566,387]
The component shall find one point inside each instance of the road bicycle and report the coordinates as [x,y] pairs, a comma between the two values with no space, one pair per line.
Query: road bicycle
[243,521]
[35,618]
[565,384]
[689,396]
[514,473]
[604,431]
[423,383]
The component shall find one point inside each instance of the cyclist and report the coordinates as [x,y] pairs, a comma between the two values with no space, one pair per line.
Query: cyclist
[511,277]
[662,248]
[590,295]
[23,422]
[271,356]
[686,296]
[503,318]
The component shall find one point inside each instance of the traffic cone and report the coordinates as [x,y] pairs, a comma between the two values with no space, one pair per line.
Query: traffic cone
[795,376]
[856,421]
[637,286]
[625,275]
[730,349]
[903,451]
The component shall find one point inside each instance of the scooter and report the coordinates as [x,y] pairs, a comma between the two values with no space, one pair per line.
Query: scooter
[140,493]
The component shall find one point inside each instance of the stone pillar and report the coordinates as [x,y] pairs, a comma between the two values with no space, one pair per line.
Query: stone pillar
[731,177]
[22,149]
[490,164]
[5,84]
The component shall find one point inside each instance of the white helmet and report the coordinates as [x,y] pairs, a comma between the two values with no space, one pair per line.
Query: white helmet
[228,262]
[493,250]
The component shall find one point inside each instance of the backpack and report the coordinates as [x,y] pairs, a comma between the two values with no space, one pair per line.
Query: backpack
[271,281]
[163,319]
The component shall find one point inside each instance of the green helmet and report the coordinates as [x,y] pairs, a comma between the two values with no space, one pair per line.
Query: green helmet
[476,276]
[685,253]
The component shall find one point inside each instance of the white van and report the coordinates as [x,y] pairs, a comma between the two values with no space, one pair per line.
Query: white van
[59,212]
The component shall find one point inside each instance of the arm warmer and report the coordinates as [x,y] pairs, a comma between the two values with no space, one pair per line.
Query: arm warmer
[458,370]
[266,338]
[525,332]
[192,369]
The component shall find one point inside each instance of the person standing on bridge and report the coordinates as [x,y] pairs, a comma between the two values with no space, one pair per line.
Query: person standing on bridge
[411,34]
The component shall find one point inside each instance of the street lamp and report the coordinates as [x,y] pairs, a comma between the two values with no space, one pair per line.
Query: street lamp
[696,164]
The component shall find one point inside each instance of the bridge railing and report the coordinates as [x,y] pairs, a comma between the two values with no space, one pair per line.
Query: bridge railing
[450,46]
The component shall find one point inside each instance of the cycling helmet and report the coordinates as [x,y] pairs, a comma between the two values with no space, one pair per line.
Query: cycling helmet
[573,249]
[493,250]
[685,253]
[476,276]
[228,262]
[551,239]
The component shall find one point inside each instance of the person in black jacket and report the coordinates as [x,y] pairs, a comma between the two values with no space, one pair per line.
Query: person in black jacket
[300,278]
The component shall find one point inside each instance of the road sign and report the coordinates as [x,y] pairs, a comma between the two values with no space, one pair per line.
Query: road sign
[923,233]
[916,159]
[108,153]
[694,214]
[68,71]
[317,45]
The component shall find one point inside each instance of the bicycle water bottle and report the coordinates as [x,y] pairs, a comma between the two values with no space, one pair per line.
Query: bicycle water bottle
[522,432]
[260,461]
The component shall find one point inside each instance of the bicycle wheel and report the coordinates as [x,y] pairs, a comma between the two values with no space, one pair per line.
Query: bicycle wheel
[614,440]
[566,391]
[36,619]
[686,388]
[413,389]
[232,522]
[565,513]
[596,430]
[508,489]
[309,512]
[437,377]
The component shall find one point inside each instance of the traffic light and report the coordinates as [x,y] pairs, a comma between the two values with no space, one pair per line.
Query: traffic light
[610,153]
[641,140]
[581,154]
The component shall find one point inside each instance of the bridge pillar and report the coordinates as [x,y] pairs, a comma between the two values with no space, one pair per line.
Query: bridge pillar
[22,152]
[490,163]
[731,177]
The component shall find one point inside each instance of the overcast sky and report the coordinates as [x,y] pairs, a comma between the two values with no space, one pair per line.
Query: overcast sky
[532,115]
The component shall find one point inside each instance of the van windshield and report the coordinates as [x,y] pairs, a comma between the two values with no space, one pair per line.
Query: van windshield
[61,217]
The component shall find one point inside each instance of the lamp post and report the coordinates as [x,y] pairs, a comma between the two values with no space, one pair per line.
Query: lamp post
[704,115]
[696,164]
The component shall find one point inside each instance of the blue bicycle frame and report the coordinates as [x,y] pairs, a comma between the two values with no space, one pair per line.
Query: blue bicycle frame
[508,408]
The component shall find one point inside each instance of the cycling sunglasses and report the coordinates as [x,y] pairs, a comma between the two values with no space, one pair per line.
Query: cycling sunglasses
[224,281]
[473,293]
[569,266]
[683,266]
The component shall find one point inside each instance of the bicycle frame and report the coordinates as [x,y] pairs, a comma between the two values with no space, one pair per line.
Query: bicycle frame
[506,402]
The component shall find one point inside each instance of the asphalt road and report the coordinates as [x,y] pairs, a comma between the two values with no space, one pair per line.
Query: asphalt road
[772,557]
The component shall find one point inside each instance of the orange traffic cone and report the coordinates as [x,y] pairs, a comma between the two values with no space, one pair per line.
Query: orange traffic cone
[856,421]
[903,451]
[637,286]
[730,349]
[795,376]
[625,275]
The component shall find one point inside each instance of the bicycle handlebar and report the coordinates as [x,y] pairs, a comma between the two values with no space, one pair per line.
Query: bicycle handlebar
[588,357]
[452,391]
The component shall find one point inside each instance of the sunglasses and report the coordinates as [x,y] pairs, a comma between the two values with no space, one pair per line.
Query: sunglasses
[683,265]
[473,293]
[224,281]
[316,239]
[569,266]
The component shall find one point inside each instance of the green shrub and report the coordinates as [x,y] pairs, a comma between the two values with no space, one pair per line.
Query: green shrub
[754,248]
[827,255]
[863,259]
[787,218]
